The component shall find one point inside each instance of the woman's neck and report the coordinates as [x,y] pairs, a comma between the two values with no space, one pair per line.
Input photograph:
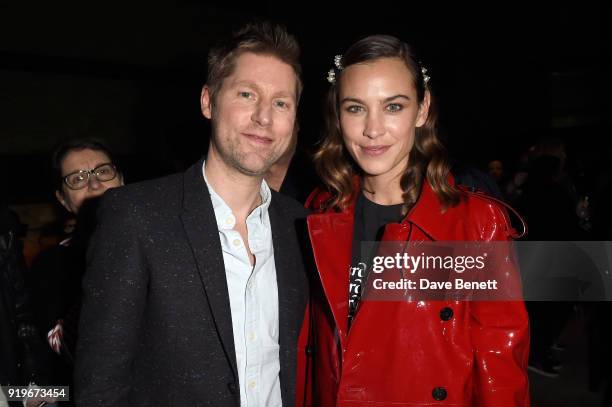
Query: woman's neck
[382,190]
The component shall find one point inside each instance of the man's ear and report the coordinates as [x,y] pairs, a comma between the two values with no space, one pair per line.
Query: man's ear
[423,110]
[206,102]
[62,201]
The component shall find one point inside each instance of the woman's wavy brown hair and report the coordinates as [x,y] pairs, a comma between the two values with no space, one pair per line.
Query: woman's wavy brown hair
[427,159]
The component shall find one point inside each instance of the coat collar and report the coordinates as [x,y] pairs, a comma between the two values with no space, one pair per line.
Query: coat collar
[427,214]
[430,216]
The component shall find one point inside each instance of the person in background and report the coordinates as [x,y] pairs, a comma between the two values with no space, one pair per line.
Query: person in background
[21,349]
[83,169]
[476,180]
[293,174]
[496,170]
[277,174]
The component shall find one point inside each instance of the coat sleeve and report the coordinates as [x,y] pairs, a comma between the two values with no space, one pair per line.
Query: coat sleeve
[114,293]
[500,330]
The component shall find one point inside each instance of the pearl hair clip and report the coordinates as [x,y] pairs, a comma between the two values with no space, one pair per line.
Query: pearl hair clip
[331,74]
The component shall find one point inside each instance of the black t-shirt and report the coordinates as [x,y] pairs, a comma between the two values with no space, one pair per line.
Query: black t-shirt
[370,221]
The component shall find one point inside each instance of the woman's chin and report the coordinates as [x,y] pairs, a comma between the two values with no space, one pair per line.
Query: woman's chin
[374,170]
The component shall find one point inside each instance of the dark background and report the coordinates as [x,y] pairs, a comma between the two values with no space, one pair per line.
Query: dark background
[131,72]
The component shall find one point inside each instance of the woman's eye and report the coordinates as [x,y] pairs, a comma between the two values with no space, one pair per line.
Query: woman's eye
[354,109]
[394,107]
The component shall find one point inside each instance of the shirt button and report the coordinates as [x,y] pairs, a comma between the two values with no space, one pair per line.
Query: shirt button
[252,336]
[252,385]
[229,220]
[236,242]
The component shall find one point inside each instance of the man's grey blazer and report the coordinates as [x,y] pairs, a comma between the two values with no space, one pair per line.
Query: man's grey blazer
[156,327]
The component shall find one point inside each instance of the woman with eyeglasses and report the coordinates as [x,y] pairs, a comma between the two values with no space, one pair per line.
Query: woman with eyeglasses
[83,170]
[386,179]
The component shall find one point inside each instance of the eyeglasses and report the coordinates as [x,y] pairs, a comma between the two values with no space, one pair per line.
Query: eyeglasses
[80,179]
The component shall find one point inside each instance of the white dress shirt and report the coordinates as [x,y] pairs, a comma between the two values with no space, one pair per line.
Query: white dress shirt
[253,294]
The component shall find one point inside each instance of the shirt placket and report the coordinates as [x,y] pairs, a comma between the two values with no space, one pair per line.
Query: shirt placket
[252,318]
[252,361]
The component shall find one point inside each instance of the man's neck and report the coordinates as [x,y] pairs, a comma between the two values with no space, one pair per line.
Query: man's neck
[239,191]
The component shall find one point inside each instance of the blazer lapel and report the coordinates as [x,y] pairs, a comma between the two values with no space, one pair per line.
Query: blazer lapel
[198,218]
[292,294]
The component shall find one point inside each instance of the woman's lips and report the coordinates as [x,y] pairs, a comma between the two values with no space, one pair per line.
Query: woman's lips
[374,150]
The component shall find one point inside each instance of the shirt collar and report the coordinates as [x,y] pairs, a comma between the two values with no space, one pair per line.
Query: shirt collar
[223,213]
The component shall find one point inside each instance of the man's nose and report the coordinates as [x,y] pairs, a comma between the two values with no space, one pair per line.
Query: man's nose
[262,115]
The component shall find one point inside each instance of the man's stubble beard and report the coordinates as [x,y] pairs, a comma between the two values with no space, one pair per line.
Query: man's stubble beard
[231,155]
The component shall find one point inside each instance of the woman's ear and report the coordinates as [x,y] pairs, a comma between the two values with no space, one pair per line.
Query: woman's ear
[423,110]
[60,198]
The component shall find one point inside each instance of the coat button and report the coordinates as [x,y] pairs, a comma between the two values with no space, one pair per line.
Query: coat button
[439,393]
[309,350]
[232,388]
[446,313]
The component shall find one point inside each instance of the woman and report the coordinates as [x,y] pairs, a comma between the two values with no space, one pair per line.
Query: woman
[386,178]
[83,170]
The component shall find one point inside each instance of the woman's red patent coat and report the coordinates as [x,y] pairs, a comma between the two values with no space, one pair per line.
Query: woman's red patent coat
[411,353]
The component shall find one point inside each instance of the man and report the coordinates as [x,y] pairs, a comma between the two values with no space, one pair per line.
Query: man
[293,174]
[196,289]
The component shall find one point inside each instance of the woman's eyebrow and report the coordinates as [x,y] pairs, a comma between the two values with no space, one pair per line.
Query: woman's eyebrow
[350,99]
[390,98]
[386,100]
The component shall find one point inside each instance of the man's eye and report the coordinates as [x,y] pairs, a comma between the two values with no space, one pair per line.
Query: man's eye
[246,95]
[394,107]
[281,104]
[354,109]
